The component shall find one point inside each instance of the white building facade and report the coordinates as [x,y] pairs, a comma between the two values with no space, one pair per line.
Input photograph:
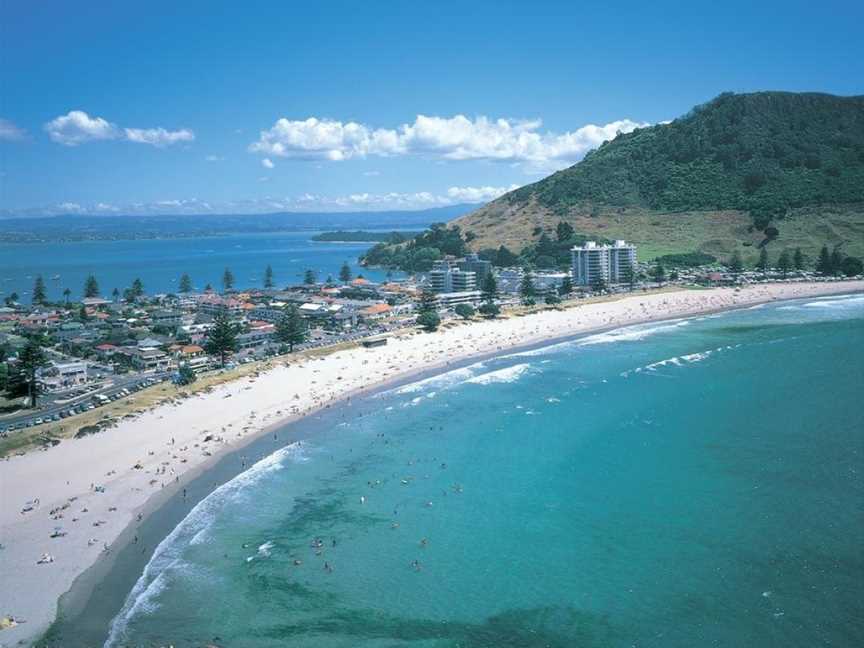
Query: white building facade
[606,264]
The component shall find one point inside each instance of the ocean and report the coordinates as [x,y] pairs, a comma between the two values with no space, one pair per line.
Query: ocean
[160,262]
[694,482]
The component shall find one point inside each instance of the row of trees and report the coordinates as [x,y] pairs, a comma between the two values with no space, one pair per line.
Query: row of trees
[136,290]
[829,263]
[222,339]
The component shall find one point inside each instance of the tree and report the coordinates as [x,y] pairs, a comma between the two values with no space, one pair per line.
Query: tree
[137,288]
[527,290]
[489,288]
[12,299]
[345,273]
[185,375]
[428,302]
[185,283]
[91,287]
[268,277]
[227,280]
[39,296]
[852,266]
[504,258]
[30,359]
[66,294]
[798,259]
[736,265]
[762,264]
[115,294]
[429,320]
[566,286]
[489,310]
[309,278]
[553,299]
[823,263]
[465,311]
[82,314]
[329,281]
[658,274]
[222,338]
[598,283]
[564,231]
[208,288]
[630,277]
[784,263]
[291,328]
[836,260]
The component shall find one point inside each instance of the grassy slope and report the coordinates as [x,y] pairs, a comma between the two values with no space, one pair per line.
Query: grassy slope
[657,233]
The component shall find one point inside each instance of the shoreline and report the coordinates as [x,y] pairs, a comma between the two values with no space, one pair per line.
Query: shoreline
[32,591]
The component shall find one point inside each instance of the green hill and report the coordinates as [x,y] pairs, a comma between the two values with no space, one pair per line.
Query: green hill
[708,181]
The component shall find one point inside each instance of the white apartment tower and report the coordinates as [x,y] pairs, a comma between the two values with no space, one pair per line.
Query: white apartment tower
[445,277]
[592,263]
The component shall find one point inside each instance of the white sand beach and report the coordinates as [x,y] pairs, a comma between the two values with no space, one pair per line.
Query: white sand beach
[93,488]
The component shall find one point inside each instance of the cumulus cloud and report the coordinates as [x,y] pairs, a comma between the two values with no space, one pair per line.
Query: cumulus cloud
[448,138]
[477,194]
[359,201]
[158,137]
[77,127]
[267,163]
[10,132]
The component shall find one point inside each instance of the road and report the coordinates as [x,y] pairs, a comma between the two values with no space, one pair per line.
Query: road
[133,383]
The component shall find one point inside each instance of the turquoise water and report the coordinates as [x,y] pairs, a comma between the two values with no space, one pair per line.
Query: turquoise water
[685,483]
[161,262]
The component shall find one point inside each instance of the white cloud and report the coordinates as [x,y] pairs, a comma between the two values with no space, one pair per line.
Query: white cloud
[158,137]
[477,194]
[70,207]
[267,163]
[10,132]
[359,201]
[214,158]
[447,138]
[77,127]
[371,174]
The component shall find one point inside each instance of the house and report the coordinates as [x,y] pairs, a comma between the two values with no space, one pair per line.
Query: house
[95,302]
[214,304]
[150,359]
[375,312]
[105,351]
[166,318]
[63,375]
[192,356]
[259,333]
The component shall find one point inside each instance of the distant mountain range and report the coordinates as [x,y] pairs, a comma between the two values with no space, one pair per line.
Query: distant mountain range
[77,227]
[710,181]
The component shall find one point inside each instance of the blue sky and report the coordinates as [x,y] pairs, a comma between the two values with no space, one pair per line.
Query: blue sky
[181,107]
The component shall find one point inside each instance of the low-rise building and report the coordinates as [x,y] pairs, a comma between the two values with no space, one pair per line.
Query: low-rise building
[63,375]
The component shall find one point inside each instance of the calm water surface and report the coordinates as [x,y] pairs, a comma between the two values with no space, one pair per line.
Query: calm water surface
[160,263]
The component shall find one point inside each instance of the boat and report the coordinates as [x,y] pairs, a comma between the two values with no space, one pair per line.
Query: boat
[55,278]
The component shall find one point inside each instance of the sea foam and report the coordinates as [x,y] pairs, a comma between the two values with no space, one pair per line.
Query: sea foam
[194,527]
